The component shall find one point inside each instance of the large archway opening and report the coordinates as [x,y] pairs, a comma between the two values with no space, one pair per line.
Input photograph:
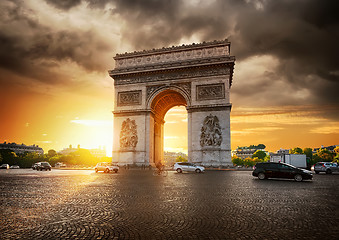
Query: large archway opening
[160,105]
[175,135]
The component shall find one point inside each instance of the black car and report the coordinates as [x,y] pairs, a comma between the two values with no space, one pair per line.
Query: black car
[266,170]
[35,165]
[44,166]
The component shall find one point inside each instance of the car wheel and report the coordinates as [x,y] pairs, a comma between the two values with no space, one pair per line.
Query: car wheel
[96,170]
[107,170]
[179,170]
[115,170]
[197,170]
[50,169]
[261,176]
[298,178]
[328,171]
[316,172]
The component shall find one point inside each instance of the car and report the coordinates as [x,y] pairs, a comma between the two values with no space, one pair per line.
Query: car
[265,170]
[326,167]
[4,166]
[106,167]
[43,166]
[187,167]
[14,167]
[60,165]
[35,165]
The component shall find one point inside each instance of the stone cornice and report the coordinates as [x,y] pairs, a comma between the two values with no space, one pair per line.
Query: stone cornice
[208,108]
[176,74]
[130,112]
[173,65]
[181,48]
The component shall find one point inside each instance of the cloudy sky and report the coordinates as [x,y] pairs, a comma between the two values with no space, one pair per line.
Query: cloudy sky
[55,54]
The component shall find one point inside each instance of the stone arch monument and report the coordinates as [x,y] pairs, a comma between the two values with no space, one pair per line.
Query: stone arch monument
[149,83]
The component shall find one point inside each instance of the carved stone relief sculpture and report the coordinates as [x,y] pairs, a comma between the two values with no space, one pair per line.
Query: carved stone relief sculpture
[210,91]
[128,134]
[210,132]
[129,98]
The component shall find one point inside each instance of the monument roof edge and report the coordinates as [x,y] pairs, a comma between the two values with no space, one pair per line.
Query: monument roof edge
[173,65]
[171,49]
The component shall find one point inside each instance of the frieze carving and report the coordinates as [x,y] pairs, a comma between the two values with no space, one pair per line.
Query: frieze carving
[128,134]
[162,57]
[129,98]
[210,91]
[210,132]
[164,76]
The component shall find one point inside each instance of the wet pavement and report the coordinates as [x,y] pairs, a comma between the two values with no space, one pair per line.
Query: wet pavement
[134,204]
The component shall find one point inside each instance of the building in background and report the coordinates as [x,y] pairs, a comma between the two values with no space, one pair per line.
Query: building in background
[283,151]
[171,157]
[21,148]
[96,152]
[248,151]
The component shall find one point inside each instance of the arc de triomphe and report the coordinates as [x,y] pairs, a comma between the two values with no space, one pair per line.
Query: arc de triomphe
[149,83]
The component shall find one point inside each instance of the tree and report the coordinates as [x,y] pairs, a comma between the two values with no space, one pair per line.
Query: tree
[296,150]
[261,146]
[51,153]
[259,154]
[336,158]
[324,155]
[8,156]
[180,159]
[336,150]
[237,161]
[267,158]
[257,160]
[248,162]
[308,152]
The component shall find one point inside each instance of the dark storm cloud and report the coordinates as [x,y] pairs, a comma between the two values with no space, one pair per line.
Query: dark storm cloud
[64,4]
[302,35]
[30,49]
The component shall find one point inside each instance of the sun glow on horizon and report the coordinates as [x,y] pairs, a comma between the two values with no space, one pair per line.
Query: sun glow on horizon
[96,134]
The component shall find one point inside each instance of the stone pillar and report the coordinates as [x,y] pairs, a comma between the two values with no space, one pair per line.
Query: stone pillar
[210,137]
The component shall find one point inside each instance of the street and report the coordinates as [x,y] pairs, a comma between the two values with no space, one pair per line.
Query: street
[133,204]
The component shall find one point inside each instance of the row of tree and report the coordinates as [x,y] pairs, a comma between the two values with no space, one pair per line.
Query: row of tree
[258,156]
[322,155]
[259,146]
[81,157]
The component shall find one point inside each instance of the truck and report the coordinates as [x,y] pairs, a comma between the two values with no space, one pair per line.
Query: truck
[297,160]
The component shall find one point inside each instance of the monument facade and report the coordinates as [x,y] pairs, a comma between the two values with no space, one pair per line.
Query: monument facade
[149,83]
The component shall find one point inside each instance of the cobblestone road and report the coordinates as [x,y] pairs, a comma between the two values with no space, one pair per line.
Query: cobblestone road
[133,204]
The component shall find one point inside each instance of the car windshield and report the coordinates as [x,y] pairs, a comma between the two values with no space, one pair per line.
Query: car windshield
[45,164]
[288,165]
